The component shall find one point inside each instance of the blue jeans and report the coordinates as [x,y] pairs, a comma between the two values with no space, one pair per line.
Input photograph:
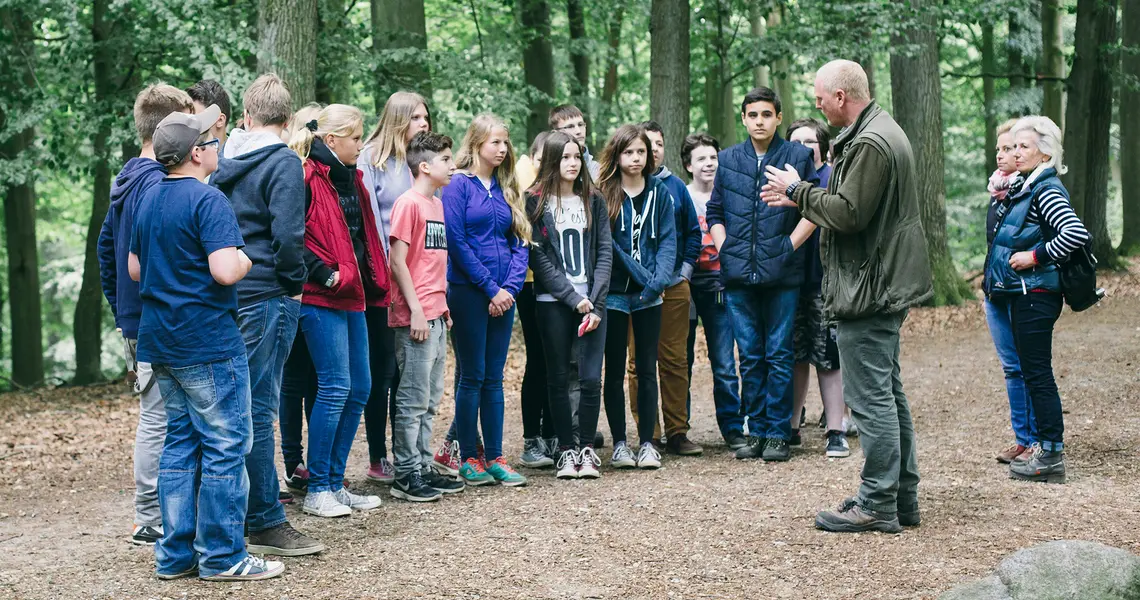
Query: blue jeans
[338,343]
[203,488]
[1033,317]
[762,323]
[722,354]
[268,328]
[481,343]
[999,317]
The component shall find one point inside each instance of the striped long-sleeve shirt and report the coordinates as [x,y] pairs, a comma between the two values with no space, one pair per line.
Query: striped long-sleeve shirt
[1070,233]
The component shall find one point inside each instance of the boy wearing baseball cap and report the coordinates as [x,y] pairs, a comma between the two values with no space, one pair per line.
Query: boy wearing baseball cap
[186,255]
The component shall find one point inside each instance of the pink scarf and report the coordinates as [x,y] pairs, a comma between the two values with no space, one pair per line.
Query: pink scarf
[999,184]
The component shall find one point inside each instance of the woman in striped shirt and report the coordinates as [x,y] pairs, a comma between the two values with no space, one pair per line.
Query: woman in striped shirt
[1035,228]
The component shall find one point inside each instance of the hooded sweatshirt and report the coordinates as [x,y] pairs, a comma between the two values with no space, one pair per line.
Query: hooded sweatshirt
[122,293]
[645,243]
[265,184]
[688,227]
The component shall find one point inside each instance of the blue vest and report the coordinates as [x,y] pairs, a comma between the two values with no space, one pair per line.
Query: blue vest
[1014,234]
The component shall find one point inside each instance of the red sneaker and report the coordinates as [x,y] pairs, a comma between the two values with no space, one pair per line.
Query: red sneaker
[446,460]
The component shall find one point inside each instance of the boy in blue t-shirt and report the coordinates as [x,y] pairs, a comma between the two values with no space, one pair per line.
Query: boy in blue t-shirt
[186,254]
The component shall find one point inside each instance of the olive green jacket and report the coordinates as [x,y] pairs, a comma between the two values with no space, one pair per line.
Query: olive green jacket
[873,246]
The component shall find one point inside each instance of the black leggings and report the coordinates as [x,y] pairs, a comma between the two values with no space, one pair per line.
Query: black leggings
[558,325]
[385,380]
[646,333]
[535,407]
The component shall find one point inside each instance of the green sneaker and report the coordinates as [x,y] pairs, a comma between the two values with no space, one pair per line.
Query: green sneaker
[473,473]
[504,474]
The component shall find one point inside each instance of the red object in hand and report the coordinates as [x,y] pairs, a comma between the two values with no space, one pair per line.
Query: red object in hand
[583,326]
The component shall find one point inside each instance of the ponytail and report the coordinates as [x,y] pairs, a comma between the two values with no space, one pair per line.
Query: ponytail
[334,119]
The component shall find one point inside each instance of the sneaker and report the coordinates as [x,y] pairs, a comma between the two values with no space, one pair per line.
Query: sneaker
[298,482]
[474,473]
[1043,465]
[356,501]
[567,464]
[680,444]
[753,449]
[795,440]
[145,535]
[191,572]
[851,517]
[381,472]
[504,474]
[1006,456]
[648,457]
[535,454]
[776,450]
[735,440]
[325,504]
[441,484]
[837,445]
[803,418]
[413,489]
[282,540]
[285,497]
[623,457]
[251,568]
[588,463]
[446,460]
[849,428]
[599,440]
[549,444]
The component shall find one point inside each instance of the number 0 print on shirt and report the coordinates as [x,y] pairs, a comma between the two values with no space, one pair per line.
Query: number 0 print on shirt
[572,252]
[436,236]
[570,223]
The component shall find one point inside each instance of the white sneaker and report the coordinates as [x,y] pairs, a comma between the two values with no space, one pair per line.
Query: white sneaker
[355,501]
[623,457]
[567,465]
[648,457]
[250,568]
[325,504]
[588,463]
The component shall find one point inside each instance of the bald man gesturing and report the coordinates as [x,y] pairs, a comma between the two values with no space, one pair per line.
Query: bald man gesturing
[875,269]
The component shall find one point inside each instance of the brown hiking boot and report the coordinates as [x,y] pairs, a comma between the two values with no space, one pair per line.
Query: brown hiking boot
[283,540]
[1024,456]
[1009,454]
[680,444]
[851,517]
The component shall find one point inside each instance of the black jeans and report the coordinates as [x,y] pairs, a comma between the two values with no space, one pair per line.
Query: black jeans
[558,325]
[535,405]
[298,392]
[1034,315]
[385,381]
[646,334]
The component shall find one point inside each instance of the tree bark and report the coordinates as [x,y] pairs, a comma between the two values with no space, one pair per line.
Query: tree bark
[1089,116]
[718,79]
[579,54]
[669,73]
[20,203]
[334,80]
[1130,127]
[781,74]
[400,24]
[538,63]
[868,64]
[1053,61]
[989,95]
[287,40]
[1014,57]
[760,75]
[916,89]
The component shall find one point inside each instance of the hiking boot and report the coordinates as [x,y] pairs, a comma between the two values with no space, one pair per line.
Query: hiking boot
[325,504]
[910,517]
[1006,456]
[776,450]
[567,464]
[282,540]
[648,457]
[534,454]
[1026,454]
[381,472]
[599,440]
[250,568]
[735,440]
[145,535]
[622,457]
[588,463]
[851,517]
[753,449]
[441,484]
[413,489]
[504,474]
[474,473]
[837,445]
[298,481]
[1044,465]
[356,501]
[446,459]
[796,440]
[680,444]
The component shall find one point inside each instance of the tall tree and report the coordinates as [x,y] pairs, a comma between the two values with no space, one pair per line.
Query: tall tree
[756,22]
[1130,127]
[334,77]
[610,80]
[719,110]
[1089,117]
[1053,61]
[579,54]
[867,61]
[1015,58]
[782,71]
[18,61]
[916,90]
[287,39]
[400,25]
[989,94]
[538,63]
[669,73]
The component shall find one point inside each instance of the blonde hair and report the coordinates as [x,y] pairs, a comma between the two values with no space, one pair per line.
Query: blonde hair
[468,157]
[303,115]
[845,75]
[1049,139]
[267,101]
[1005,128]
[335,119]
[153,104]
[389,138]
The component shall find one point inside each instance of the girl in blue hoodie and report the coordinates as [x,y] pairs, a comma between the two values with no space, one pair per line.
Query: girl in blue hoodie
[645,248]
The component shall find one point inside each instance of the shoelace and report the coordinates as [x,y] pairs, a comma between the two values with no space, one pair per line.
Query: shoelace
[502,462]
[588,454]
[648,451]
[476,465]
[256,562]
[622,452]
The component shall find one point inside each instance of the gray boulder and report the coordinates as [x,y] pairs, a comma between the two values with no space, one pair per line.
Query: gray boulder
[990,588]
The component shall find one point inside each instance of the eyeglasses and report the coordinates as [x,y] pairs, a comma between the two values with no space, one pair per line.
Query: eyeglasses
[214,142]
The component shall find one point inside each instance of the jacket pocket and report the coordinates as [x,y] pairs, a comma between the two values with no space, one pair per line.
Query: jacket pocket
[859,290]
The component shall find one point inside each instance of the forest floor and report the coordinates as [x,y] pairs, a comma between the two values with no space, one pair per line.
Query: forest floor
[703,527]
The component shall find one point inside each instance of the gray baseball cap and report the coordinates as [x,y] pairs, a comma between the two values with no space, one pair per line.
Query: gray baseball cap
[176,135]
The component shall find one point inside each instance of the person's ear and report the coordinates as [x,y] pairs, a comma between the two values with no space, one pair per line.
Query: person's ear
[840,97]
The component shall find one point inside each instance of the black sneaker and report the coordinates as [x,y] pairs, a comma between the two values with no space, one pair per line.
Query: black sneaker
[145,535]
[441,484]
[796,440]
[735,440]
[285,497]
[837,445]
[413,489]
[776,450]
[753,449]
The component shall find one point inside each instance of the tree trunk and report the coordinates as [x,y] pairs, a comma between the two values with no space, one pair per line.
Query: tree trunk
[334,80]
[916,89]
[1014,58]
[868,64]
[400,24]
[287,43]
[719,99]
[1130,128]
[669,73]
[538,63]
[579,54]
[782,75]
[1053,61]
[760,75]
[1089,116]
[20,205]
[989,95]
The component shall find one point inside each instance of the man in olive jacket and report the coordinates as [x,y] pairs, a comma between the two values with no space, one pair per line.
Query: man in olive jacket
[875,269]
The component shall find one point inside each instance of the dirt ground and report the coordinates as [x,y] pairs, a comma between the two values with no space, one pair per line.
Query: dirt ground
[707,527]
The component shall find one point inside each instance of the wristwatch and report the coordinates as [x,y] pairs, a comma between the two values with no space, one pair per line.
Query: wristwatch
[331,280]
[791,189]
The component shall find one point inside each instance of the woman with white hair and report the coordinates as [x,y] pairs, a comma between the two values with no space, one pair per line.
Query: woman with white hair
[1035,228]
